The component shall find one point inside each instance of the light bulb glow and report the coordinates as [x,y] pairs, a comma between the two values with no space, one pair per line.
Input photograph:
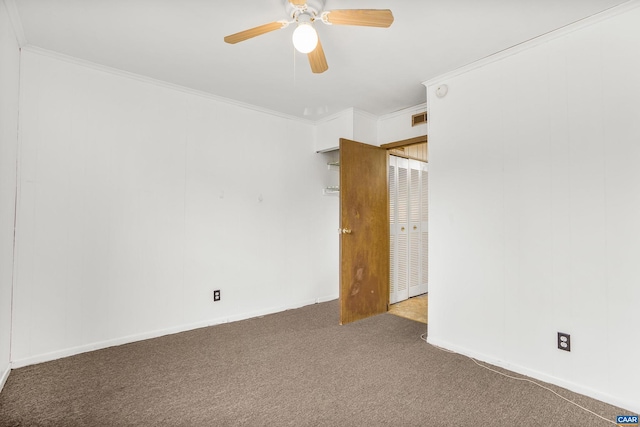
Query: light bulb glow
[305,38]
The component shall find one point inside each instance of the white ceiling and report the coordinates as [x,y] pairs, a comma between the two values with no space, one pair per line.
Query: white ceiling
[372,69]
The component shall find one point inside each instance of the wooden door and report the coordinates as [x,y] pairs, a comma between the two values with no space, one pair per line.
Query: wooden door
[364,231]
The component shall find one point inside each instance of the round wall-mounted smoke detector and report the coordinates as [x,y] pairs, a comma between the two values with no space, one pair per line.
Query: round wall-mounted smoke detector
[441,91]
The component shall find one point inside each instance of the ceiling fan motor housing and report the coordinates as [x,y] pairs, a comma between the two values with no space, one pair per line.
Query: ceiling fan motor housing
[312,8]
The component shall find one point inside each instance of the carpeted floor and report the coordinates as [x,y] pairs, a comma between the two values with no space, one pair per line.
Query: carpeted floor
[296,368]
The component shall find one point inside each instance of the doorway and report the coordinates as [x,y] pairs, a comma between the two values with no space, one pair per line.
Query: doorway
[408,228]
[365,237]
[416,308]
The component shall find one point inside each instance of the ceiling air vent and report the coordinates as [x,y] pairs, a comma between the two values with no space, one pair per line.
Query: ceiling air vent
[418,119]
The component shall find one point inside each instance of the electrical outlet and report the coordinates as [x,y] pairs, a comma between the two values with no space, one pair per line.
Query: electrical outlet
[564,341]
[216,295]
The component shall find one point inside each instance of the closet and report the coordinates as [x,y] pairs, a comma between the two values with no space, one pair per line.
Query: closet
[408,217]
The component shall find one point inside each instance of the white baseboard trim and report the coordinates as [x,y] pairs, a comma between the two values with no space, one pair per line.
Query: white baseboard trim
[5,376]
[577,388]
[327,298]
[72,351]
[305,303]
[47,357]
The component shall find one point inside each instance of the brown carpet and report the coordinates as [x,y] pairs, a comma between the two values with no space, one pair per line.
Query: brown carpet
[296,368]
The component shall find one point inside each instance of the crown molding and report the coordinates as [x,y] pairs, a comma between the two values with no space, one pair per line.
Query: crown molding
[16,22]
[334,116]
[184,89]
[409,110]
[536,41]
[160,83]
[366,114]
[351,111]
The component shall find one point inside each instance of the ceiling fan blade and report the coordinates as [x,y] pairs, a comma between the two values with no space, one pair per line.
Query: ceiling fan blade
[365,17]
[253,32]
[317,60]
[298,2]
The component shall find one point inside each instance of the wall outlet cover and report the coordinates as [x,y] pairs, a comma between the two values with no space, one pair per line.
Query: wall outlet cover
[564,341]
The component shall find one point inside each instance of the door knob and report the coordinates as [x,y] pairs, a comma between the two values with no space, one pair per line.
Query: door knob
[346,231]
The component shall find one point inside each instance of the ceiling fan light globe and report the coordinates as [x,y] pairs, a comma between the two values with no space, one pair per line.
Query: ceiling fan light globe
[305,38]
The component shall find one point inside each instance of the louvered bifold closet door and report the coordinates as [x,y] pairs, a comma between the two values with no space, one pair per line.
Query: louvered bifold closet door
[424,226]
[402,229]
[393,215]
[415,229]
[409,216]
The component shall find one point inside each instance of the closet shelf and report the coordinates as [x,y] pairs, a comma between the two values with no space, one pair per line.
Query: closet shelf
[333,165]
[330,190]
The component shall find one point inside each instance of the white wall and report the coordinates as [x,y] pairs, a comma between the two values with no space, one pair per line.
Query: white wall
[365,127]
[397,126]
[137,200]
[9,83]
[534,205]
[350,124]
[329,130]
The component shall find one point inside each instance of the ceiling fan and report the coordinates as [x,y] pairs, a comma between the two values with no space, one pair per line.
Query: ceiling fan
[305,38]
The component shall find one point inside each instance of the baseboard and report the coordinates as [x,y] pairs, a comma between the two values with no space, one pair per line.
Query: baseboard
[577,388]
[327,298]
[5,376]
[279,309]
[47,357]
[99,345]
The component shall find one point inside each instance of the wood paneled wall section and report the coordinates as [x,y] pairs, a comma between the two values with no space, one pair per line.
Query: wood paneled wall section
[415,151]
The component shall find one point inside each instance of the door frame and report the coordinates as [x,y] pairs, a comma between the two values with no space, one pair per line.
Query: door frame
[424,139]
[396,149]
[384,296]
